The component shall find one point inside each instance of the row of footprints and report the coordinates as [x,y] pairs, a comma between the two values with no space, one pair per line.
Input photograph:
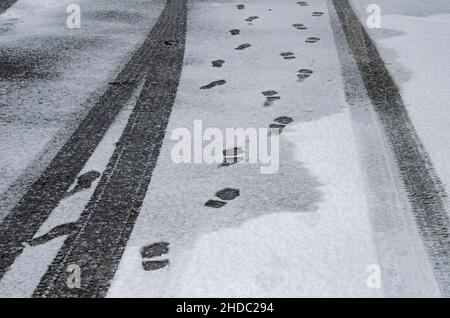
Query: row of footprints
[151,254]
[234,155]
[302,74]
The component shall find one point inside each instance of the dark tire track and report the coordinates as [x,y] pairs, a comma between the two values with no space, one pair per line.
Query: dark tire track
[426,193]
[43,196]
[6,4]
[109,217]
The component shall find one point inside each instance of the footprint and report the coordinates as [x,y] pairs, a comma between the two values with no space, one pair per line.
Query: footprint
[226,194]
[317,14]
[302,3]
[279,124]
[232,156]
[299,26]
[312,40]
[270,93]
[243,46]
[85,181]
[215,204]
[218,63]
[240,6]
[304,74]
[235,32]
[288,55]
[170,42]
[60,230]
[271,96]
[250,19]
[213,84]
[149,252]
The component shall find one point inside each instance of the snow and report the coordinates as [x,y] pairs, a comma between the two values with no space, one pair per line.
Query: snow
[51,76]
[414,43]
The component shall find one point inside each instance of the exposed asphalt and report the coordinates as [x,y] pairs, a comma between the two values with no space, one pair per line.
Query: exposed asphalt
[425,191]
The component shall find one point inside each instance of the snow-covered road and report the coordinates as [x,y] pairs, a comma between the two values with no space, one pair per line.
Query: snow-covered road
[334,221]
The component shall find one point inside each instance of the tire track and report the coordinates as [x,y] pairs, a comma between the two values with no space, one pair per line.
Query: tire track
[46,192]
[426,193]
[6,4]
[108,219]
